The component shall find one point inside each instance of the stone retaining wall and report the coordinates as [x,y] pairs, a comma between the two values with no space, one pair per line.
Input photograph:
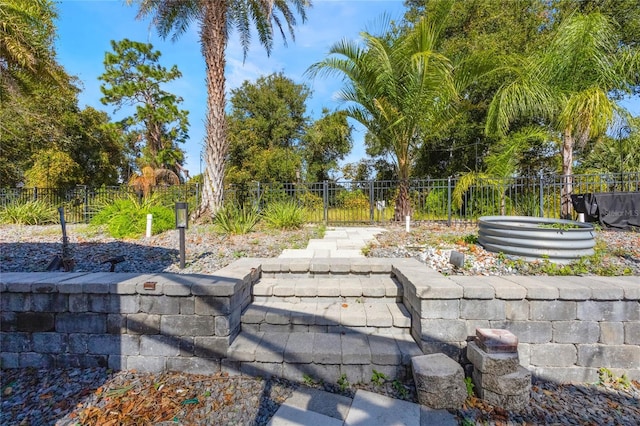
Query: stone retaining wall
[567,327]
[123,321]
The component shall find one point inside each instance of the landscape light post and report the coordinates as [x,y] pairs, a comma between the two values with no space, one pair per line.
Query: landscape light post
[182,223]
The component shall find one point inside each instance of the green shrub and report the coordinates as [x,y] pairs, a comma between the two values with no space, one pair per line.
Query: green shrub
[435,204]
[127,217]
[284,215]
[29,213]
[353,200]
[311,201]
[236,219]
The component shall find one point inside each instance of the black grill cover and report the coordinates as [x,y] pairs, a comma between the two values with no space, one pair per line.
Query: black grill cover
[619,210]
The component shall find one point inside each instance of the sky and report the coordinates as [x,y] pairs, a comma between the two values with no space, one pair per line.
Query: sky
[86,27]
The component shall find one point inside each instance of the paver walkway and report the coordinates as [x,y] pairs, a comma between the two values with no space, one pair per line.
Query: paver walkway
[337,243]
[310,407]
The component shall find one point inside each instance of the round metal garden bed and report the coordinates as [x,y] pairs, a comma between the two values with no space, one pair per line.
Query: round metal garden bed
[558,240]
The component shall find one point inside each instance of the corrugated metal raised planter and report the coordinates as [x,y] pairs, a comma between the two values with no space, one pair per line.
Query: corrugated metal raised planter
[531,238]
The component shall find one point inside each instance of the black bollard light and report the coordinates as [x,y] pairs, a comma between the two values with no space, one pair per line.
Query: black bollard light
[182,223]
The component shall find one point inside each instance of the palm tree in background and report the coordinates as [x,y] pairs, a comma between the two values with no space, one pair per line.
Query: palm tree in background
[398,87]
[571,87]
[216,19]
[26,40]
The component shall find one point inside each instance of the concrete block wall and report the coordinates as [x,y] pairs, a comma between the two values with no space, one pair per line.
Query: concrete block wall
[153,322]
[568,327]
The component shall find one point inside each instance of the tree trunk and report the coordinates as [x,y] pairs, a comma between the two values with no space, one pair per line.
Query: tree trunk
[403,205]
[213,33]
[567,178]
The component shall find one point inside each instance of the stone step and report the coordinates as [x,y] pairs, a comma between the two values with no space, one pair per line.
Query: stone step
[376,288]
[322,356]
[327,317]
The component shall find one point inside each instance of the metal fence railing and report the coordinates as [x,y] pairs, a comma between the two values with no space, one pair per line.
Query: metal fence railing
[361,201]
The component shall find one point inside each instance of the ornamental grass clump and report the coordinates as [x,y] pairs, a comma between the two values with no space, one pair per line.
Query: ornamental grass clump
[236,219]
[284,215]
[28,213]
[127,217]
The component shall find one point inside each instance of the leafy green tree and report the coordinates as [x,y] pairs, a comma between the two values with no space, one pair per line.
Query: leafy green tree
[26,38]
[615,155]
[266,123]
[568,85]
[134,77]
[48,118]
[216,20]
[96,145]
[398,86]
[477,32]
[326,142]
[52,168]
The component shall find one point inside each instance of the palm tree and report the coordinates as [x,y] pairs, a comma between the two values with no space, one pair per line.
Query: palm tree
[397,87]
[26,40]
[216,19]
[569,86]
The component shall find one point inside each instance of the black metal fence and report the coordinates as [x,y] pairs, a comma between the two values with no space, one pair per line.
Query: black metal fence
[443,200]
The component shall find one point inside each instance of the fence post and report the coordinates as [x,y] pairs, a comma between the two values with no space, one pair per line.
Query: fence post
[371,201]
[197,206]
[258,200]
[449,201]
[325,201]
[541,193]
[86,203]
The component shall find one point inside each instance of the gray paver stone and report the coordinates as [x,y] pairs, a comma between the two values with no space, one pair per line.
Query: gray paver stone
[244,346]
[299,348]
[498,364]
[384,350]
[326,403]
[355,349]
[439,381]
[509,384]
[373,409]
[326,349]
[508,402]
[271,347]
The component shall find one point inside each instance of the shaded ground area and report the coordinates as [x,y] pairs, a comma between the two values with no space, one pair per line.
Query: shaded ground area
[99,397]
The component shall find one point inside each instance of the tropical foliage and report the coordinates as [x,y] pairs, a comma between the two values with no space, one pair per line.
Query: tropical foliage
[569,85]
[127,217]
[216,20]
[26,35]
[398,86]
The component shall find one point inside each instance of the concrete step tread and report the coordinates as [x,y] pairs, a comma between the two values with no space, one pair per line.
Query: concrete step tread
[315,407]
[323,348]
[389,314]
[327,286]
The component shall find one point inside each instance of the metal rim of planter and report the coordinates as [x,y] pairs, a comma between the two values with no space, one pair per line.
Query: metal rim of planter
[522,236]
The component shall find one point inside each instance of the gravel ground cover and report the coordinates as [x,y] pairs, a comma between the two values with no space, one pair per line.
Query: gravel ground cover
[102,397]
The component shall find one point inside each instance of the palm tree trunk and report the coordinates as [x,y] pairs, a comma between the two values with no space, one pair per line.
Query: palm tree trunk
[214,41]
[567,178]
[403,206]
